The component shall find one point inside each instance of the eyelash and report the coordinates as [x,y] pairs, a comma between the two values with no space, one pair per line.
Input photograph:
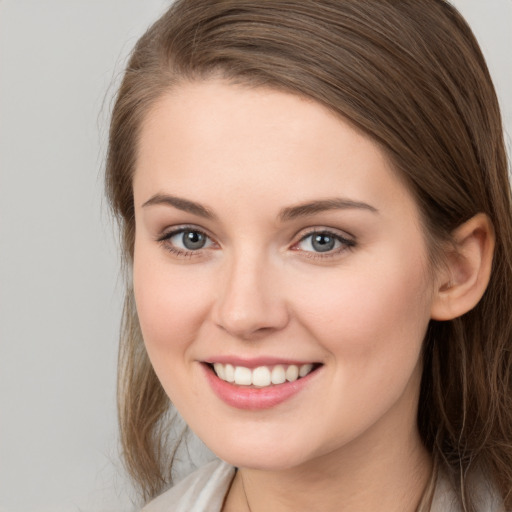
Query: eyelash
[164,241]
[345,243]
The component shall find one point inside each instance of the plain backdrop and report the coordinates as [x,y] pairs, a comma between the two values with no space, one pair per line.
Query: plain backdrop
[60,289]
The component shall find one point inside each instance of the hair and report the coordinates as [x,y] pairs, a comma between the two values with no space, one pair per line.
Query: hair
[410,75]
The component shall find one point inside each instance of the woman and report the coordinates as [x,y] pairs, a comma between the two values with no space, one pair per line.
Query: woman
[314,202]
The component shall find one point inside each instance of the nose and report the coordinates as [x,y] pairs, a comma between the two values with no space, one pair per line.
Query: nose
[251,301]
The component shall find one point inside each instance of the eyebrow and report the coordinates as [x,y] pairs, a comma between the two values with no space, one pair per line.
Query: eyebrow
[181,204]
[314,207]
[286,214]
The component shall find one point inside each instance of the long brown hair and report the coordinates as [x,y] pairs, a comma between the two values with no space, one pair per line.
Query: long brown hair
[411,75]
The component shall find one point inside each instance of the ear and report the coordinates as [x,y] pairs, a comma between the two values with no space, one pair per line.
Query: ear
[464,279]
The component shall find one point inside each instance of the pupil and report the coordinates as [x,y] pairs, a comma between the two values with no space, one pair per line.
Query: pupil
[193,240]
[323,243]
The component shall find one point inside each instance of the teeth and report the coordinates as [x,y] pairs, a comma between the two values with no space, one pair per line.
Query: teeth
[292,373]
[278,374]
[262,376]
[229,373]
[305,369]
[220,371]
[243,376]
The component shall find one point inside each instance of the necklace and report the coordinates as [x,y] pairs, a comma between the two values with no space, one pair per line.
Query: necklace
[245,493]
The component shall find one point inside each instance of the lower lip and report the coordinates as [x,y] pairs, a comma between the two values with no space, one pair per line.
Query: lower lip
[253,399]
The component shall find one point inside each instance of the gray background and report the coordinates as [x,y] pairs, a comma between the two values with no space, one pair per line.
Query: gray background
[59,281]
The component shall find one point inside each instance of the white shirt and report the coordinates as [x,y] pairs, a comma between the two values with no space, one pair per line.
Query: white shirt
[205,489]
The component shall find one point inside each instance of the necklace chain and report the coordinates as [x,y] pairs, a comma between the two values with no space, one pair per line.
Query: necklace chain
[245,493]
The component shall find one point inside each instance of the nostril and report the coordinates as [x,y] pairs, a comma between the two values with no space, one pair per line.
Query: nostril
[249,304]
[248,334]
[251,321]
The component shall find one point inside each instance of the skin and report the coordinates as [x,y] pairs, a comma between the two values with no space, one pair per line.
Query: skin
[258,288]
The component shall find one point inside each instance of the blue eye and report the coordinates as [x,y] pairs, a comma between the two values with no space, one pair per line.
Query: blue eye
[186,240]
[193,240]
[323,242]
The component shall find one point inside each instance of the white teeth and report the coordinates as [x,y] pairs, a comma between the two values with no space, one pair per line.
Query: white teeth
[262,376]
[292,373]
[305,369]
[243,376]
[219,370]
[278,375]
[229,372]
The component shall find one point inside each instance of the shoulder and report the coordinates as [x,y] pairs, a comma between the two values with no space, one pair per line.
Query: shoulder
[202,491]
[486,497]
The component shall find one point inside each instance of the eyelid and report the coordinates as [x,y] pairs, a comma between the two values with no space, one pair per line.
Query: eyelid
[347,241]
[174,230]
[168,233]
[338,233]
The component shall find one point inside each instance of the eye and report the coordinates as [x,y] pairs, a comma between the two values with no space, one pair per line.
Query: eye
[190,240]
[186,240]
[324,242]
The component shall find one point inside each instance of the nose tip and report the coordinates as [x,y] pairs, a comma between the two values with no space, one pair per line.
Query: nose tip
[251,304]
[242,327]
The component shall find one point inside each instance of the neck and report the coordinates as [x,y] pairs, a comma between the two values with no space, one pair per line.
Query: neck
[390,483]
[386,469]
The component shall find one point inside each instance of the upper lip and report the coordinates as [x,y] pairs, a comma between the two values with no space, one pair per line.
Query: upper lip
[255,362]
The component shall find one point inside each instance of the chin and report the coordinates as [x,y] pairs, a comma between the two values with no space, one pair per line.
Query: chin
[261,461]
[271,456]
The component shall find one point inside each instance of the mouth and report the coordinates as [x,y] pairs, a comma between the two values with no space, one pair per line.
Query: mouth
[257,386]
[262,376]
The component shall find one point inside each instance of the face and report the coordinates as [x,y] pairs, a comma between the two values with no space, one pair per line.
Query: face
[276,247]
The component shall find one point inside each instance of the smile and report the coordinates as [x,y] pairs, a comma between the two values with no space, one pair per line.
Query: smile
[259,386]
[262,376]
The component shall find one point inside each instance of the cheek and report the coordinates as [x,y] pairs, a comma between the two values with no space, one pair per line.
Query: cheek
[369,316]
[171,304]
[371,325]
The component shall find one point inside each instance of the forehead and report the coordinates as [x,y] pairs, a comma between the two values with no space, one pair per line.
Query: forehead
[217,141]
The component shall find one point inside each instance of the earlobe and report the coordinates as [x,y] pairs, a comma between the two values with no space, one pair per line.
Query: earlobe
[464,279]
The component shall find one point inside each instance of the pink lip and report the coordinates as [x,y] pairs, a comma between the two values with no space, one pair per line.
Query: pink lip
[253,399]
